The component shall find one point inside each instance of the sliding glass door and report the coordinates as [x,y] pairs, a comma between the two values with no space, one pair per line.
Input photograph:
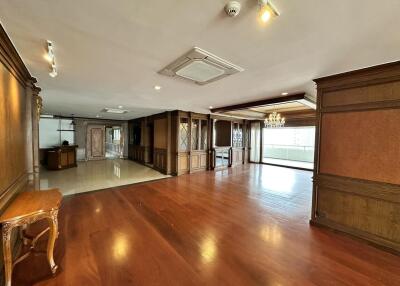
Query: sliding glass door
[291,146]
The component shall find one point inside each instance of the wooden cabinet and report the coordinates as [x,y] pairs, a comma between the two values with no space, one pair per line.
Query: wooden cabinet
[181,142]
[62,157]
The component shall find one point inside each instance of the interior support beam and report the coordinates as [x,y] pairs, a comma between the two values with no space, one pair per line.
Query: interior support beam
[263,102]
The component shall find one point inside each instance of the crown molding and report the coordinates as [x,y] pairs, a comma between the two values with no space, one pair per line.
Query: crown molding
[12,61]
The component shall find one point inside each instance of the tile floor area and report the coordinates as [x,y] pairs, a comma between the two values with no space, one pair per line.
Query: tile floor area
[95,175]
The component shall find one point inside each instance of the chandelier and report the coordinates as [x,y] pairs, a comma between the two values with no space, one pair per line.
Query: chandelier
[274,120]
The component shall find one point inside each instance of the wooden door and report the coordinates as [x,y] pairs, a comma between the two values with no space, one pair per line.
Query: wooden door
[95,146]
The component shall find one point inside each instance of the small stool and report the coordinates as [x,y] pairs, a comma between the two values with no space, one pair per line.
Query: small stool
[27,208]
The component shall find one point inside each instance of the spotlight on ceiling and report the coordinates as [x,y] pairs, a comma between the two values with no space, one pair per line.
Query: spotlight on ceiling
[157,87]
[267,11]
[284,93]
[51,58]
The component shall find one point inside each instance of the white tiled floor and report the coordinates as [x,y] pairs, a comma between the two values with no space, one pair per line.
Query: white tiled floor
[95,175]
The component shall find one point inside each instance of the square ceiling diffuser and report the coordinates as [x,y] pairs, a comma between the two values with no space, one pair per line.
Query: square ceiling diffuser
[200,67]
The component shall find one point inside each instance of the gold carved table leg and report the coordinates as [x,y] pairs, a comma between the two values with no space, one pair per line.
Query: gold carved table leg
[7,229]
[53,234]
[51,217]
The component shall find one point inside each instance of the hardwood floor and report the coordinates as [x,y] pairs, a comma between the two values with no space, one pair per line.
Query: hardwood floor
[245,226]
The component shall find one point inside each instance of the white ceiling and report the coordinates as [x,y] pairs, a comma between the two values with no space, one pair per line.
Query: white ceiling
[108,52]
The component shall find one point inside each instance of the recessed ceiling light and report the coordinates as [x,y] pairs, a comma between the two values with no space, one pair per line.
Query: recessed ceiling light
[210,107]
[98,116]
[120,106]
[284,93]
[157,87]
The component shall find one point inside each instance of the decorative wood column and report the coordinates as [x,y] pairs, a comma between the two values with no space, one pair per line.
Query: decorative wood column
[36,110]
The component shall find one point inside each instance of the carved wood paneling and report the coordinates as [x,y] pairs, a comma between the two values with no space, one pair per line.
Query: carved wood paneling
[356,180]
[370,209]
[160,160]
[95,145]
[183,163]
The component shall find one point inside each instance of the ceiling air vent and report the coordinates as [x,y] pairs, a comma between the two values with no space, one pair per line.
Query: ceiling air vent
[114,110]
[201,67]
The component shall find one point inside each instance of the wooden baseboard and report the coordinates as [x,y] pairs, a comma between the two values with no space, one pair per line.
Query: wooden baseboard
[373,240]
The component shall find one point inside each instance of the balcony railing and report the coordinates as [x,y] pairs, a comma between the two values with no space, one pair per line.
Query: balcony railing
[289,152]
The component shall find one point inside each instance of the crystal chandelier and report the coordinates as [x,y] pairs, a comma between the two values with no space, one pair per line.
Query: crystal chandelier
[274,120]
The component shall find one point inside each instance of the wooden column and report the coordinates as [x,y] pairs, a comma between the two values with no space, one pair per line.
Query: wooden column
[357,154]
[36,110]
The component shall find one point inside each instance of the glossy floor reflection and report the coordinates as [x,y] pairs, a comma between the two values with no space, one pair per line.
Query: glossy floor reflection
[96,175]
[243,226]
[290,163]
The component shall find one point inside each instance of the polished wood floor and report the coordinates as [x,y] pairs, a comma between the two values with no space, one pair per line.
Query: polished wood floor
[245,226]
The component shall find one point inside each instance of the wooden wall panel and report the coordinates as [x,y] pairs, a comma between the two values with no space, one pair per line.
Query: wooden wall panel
[364,145]
[160,133]
[357,179]
[12,129]
[19,109]
[160,160]
[183,163]
[366,94]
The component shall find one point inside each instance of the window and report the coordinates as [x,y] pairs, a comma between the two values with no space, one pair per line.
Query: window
[289,143]
[116,134]
[54,131]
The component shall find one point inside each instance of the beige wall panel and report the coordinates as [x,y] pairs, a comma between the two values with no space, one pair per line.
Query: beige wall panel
[195,161]
[203,161]
[363,145]
[183,162]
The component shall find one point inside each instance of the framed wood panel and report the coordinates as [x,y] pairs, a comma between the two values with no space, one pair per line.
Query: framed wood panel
[357,155]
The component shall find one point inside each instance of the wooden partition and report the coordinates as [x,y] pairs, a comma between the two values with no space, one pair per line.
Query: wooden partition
[161,141]
[19,114]
[181,142]
[357,176]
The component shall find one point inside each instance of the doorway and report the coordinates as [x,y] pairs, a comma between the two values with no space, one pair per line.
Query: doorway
[113,142]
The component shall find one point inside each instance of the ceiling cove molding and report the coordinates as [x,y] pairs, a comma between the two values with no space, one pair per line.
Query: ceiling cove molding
[12,61]
[263,102]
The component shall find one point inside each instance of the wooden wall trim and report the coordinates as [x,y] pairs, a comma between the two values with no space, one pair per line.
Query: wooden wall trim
[12,61]
[375,240]
[390,104]
[371,189]
[275,100]
[363,77]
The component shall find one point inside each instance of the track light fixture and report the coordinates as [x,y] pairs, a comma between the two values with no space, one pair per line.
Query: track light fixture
[267,10]
[50,57]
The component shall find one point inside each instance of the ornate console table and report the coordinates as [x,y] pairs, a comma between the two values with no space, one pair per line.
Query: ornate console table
[28,208]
